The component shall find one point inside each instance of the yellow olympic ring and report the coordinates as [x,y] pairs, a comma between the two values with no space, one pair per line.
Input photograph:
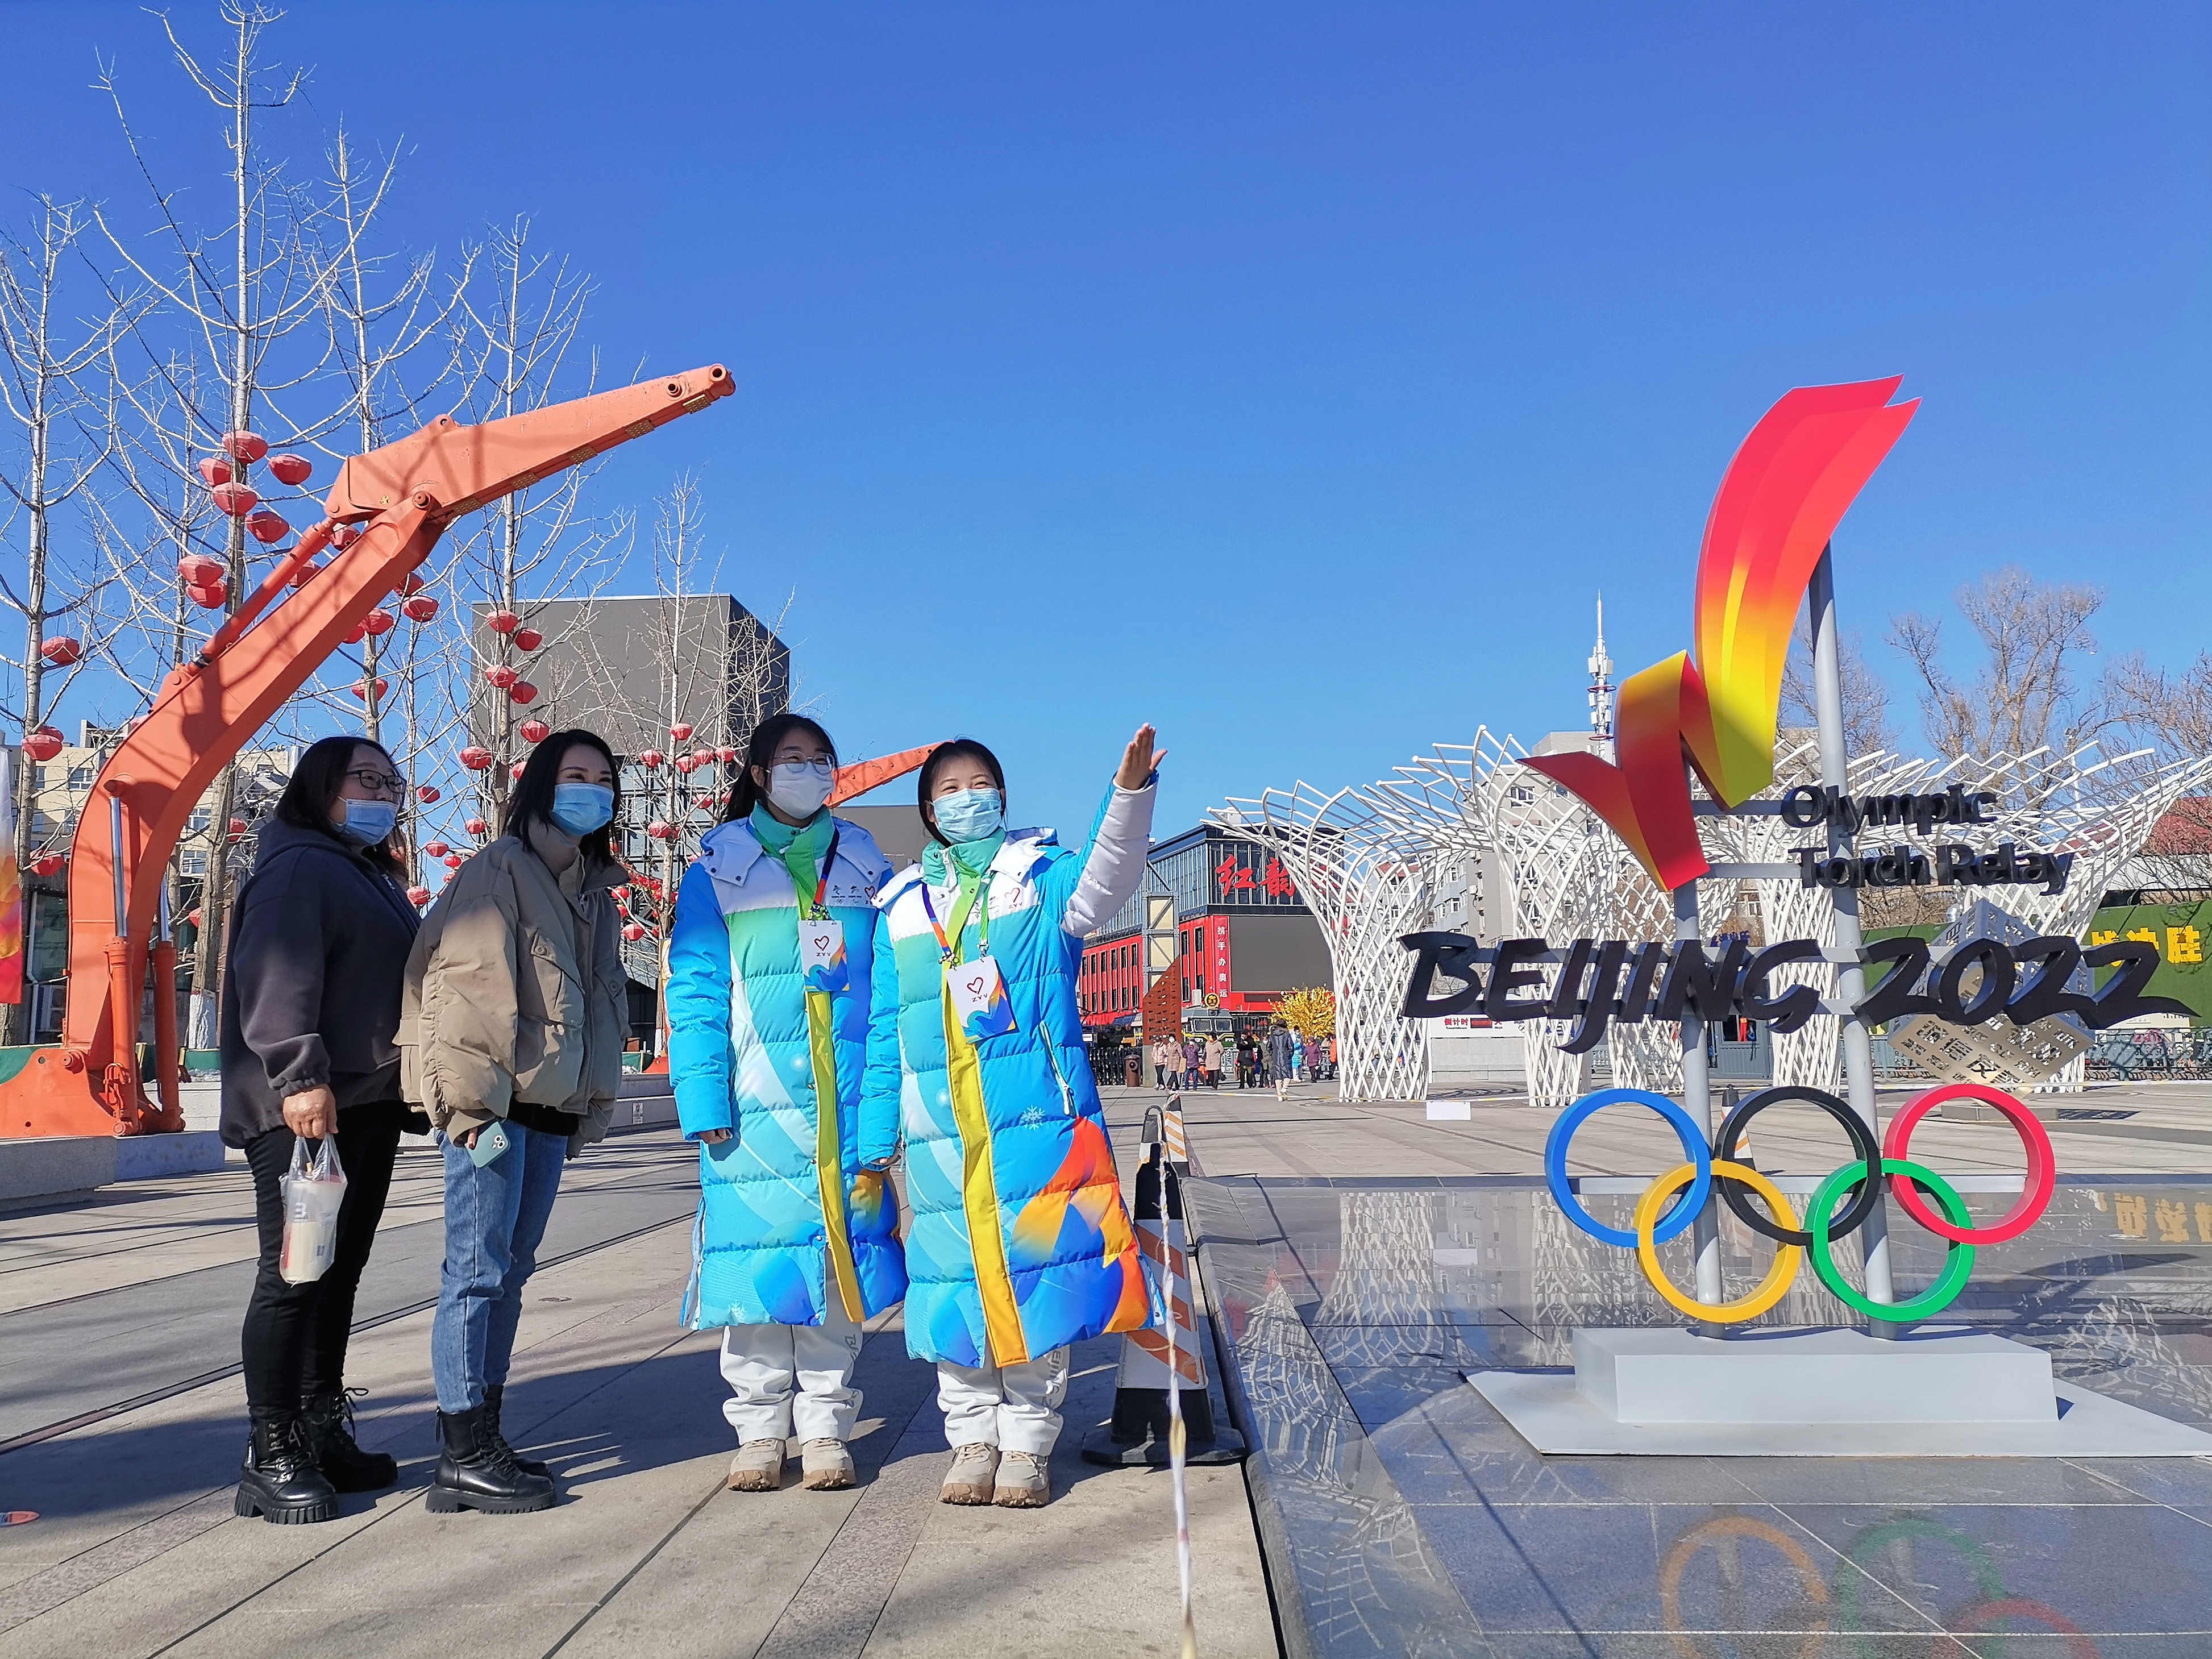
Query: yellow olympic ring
[1733,1526]
[1769,1291]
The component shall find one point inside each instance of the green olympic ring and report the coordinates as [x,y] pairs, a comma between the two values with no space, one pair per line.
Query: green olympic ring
[1846,1585]
[1958,1262]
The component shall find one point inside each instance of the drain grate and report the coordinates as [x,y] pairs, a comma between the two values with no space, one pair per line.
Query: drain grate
[2090,1115]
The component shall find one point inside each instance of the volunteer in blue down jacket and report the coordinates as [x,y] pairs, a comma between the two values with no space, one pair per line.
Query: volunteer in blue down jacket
[770,979]
[1020,1245]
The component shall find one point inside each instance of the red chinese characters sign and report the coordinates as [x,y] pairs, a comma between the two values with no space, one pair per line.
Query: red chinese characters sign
[1232,875]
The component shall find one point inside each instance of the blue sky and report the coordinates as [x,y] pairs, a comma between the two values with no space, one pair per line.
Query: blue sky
[1294,377]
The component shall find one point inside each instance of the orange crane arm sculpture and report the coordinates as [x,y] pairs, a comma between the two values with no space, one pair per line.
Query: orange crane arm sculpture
[403,496]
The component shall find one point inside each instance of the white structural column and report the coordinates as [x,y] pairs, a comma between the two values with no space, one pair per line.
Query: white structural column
[1366,883]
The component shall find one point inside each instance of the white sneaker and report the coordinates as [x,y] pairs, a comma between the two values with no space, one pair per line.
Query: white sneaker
[1024,1481]
[826,1466]
[758,1467]
[968,1480]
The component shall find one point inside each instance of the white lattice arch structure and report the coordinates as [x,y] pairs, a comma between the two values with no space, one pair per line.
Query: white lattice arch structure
[1365,885]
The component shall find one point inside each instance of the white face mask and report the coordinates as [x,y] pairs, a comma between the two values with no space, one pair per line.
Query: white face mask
[798,790]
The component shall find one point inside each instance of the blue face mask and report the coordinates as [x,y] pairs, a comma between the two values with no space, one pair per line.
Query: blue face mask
[368,821]
[969,814]
[580,808]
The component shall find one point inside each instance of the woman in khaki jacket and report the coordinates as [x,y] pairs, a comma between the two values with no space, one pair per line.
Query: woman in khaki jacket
[511,1037]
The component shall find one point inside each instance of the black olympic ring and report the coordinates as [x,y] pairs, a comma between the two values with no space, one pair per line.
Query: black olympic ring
[1866,1194]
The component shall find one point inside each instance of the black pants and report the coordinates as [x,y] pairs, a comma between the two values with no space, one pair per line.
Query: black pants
[293,1342]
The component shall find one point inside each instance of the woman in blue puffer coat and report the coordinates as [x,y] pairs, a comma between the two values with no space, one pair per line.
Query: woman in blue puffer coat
[770,971]
[1020,1244]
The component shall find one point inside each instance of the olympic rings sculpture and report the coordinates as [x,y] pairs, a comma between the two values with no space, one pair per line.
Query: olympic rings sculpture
[1660,1215]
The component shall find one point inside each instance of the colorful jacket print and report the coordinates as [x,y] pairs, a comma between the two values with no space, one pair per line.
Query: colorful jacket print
[767,1249]
[1019,1244]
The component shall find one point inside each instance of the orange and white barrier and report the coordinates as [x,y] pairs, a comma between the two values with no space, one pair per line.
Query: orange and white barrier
[1158,1363]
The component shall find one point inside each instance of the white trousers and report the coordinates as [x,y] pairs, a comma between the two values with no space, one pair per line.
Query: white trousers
[1013,1407]
[762,1363]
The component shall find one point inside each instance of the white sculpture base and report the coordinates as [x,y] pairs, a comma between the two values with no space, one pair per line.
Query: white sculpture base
[1940,1393]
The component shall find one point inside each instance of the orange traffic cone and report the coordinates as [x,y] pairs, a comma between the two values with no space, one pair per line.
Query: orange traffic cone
[1137,1433]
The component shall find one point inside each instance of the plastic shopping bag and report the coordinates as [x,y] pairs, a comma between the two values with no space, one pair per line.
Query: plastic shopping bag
[312,1194]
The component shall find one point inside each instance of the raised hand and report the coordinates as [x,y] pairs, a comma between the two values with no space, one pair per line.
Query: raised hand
[1138,760]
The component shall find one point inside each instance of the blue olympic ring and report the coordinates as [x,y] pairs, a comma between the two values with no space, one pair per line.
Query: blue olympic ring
[1693,1148]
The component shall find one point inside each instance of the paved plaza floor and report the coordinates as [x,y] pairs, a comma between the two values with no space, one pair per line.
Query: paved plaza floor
[1364,1260]
[119,1315]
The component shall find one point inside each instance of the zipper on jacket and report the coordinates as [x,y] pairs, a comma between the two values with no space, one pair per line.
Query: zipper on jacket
[1067,1095]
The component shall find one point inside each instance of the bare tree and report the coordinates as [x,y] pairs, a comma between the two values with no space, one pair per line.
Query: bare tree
[2024,695]
[2170,714]
[1867,725]
[61,447]
[516,334]
[230,344]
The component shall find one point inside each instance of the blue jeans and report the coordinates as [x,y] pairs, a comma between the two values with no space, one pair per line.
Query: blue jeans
[495,1217]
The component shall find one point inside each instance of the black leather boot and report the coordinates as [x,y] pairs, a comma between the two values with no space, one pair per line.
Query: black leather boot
[476,1471]
[329,1421]
[493,1394]
[279,1480]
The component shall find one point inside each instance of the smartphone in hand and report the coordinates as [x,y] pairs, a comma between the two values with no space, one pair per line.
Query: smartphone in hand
[491,1140]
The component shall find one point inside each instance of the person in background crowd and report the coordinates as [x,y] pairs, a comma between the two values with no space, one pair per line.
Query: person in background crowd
[1213,1062]
[1163,1058]
[1020,1245]
[319,940]
[771,968]
[1282,1054]
[1193,1061]
[511,1035]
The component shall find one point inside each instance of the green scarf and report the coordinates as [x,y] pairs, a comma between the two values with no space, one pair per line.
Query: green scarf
[801,846]
[970,861]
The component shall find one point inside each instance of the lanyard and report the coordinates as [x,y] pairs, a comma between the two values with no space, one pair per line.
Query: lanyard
[950,945]
[820,887]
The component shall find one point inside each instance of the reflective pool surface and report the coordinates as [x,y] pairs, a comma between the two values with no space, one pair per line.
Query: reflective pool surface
[1403,1516]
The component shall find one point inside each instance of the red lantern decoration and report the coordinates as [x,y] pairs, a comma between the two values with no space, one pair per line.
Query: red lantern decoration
[291,469]
[535,731]
[523,692]
[418,897]
[410,584]
[658,830]
[681,731]
[62,649]
[216,471]
[426,793]
[634,932]
[247,446]
[193,918]
[436,849]
[650,758]
[452,861]
[727,755]
[528,638]
[622,893]
[360,633]
[500,676]
[235,499]
[476,826]
[267,527]
[305,573]
[515,771]
[211,598]
[237,828]
[198,570]
[475,758]
[703,758]
[378,621]
[502,622]
[421,608]
[360,688]
[686,764]
[46,864]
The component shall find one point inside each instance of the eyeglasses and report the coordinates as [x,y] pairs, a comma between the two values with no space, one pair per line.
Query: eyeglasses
[384,783]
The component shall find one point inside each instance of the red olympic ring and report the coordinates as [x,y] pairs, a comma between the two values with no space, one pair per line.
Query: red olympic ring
[1979,1616]
[2035,1192]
